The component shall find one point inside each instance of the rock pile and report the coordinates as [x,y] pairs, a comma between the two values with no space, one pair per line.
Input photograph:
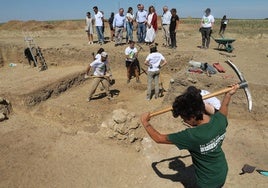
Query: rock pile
[5,109]
[123,126]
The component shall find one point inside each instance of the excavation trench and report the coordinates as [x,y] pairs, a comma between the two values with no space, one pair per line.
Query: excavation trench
[52,90]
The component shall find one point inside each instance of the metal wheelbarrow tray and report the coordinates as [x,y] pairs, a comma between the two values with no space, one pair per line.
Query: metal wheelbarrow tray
[225,42]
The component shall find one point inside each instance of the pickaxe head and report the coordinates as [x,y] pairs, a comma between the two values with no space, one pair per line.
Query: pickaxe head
[243,84]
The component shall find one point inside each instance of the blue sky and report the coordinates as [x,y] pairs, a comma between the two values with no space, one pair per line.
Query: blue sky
[76,9]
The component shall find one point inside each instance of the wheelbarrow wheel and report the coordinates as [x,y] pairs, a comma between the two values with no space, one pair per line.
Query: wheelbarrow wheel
[229,48]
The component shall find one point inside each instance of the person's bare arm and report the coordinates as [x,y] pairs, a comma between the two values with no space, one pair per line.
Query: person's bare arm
[227,98]
[153,133]
[212,25]
[164,63]
[88,69]
[177,25]
[127,56]
[146,63]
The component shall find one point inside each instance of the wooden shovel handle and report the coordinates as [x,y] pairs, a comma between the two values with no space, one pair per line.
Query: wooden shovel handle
[204,97]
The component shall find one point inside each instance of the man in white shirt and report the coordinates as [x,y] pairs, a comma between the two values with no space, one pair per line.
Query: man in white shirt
[119,25]
[154,61]
[207,23]
[141,19]
[99,24]
[100,75]
[166,17]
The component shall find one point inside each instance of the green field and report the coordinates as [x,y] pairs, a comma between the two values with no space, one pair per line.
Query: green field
[243,27]
[239,26]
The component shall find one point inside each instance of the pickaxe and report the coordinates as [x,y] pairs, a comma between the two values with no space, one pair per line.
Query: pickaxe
[141,48]
[243,85]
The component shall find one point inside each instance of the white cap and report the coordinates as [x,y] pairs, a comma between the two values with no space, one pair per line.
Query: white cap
[104,54]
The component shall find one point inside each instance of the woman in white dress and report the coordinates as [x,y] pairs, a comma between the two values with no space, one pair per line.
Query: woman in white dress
[89,28]
[151,26]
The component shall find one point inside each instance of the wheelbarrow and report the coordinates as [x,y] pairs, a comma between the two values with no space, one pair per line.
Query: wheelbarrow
[225,42]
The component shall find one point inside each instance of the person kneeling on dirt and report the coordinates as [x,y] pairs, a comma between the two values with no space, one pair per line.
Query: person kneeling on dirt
[203,139]
[132,62]
[153,61]
[100,75]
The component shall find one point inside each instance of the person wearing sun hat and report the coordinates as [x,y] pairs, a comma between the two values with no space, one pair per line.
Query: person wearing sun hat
[155,61]
[100,75]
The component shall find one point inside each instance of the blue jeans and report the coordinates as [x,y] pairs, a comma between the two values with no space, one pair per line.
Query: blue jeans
[129,31]
[100,33]
[141,32]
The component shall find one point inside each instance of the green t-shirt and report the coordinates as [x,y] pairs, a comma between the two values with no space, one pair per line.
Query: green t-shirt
[204,144]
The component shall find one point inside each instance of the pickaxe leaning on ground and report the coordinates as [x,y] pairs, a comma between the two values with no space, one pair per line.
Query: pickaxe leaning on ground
[243,85]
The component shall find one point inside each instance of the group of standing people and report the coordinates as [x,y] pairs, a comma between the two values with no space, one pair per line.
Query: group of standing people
[146,26]
[145,23]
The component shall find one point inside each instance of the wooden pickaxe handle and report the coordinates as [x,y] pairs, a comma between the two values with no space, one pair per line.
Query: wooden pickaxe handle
[87,77]
[203,97]
[161,111]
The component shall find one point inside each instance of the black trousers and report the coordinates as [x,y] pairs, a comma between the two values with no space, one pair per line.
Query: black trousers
[173,39]
[205,32]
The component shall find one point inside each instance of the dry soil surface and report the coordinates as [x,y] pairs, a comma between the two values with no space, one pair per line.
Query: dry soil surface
[53,136]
